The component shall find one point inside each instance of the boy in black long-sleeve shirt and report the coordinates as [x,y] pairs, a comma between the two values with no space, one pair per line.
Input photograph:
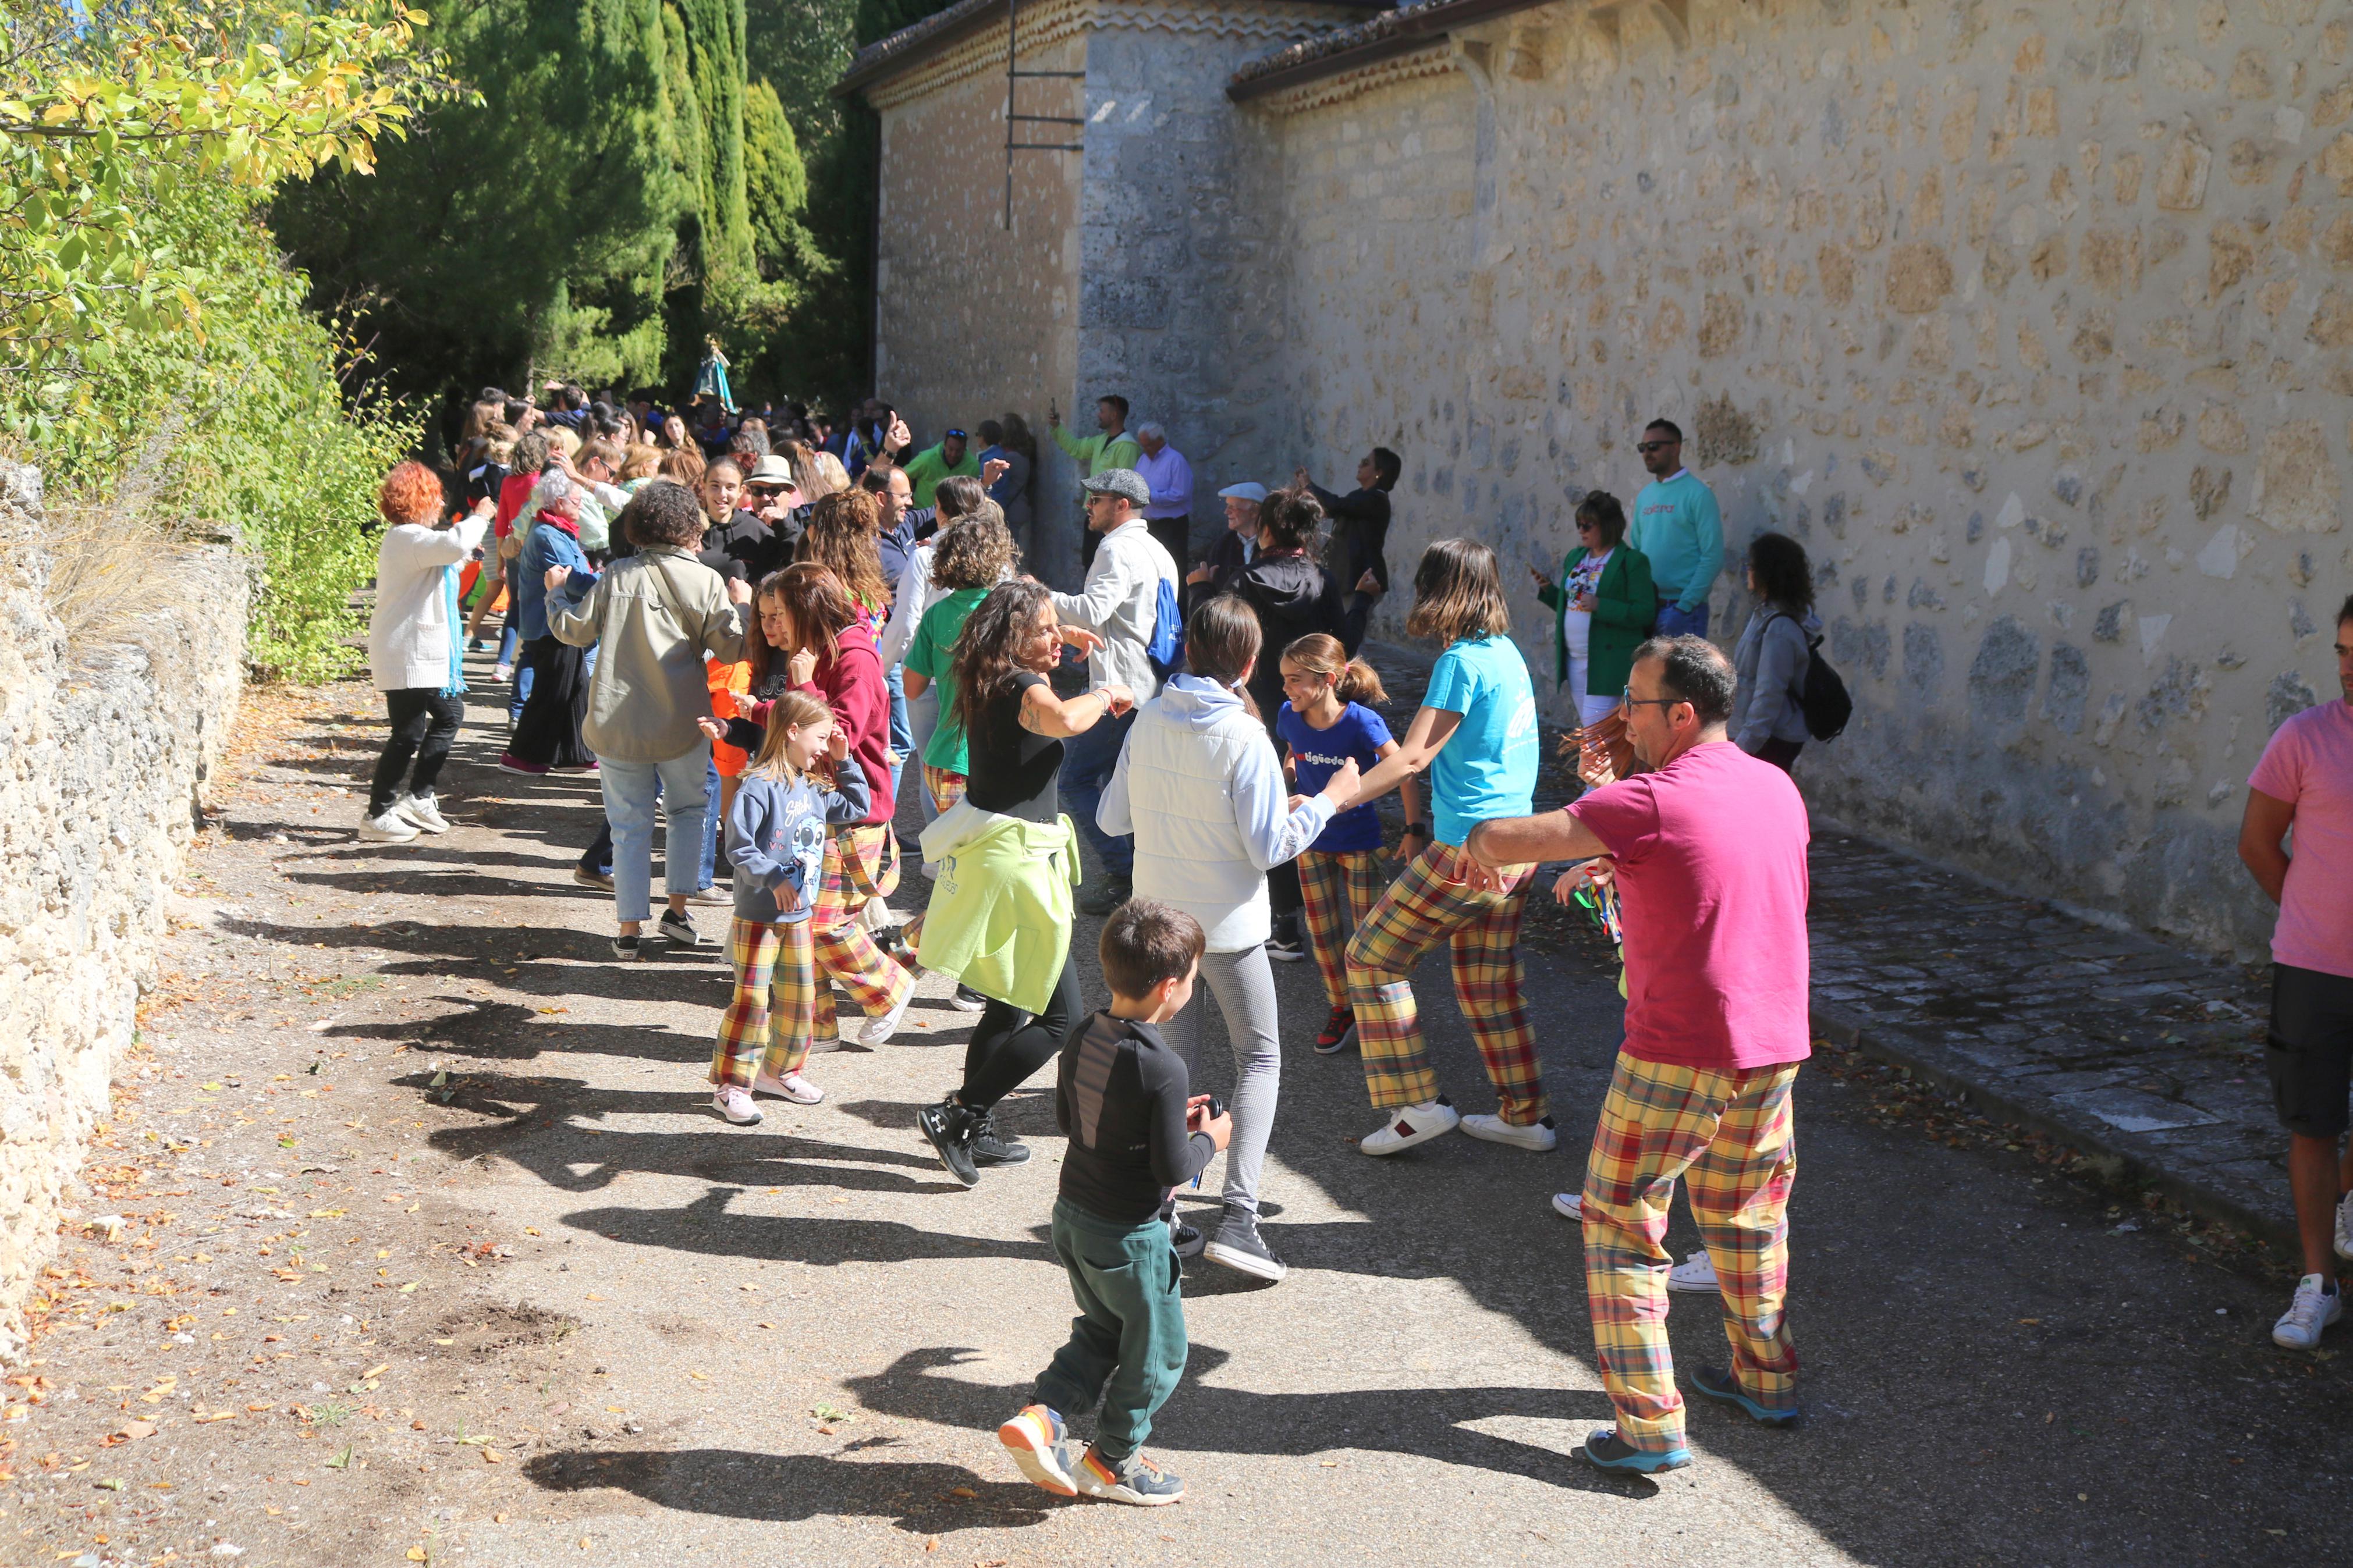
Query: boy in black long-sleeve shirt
[1135,1133]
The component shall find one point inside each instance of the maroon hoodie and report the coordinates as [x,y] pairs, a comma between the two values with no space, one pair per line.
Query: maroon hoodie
[850,683]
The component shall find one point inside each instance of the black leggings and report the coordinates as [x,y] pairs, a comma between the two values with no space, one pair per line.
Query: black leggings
[424,726]
[1008,1044]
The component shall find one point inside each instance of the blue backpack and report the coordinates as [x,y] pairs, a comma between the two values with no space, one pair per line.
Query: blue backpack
[1166,648]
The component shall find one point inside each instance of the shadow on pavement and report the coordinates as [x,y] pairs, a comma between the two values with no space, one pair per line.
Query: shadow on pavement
[923,1498]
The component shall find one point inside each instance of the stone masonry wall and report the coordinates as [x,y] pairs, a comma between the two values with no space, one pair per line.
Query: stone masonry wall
[2034,324]
[104,754]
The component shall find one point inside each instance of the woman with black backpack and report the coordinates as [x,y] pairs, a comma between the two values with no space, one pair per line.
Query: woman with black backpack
[1775,652]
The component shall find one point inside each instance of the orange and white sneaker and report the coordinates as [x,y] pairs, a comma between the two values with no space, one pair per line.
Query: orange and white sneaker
[1038,1444]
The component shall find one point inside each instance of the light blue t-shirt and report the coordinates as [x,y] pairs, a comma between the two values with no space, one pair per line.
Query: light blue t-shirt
[1677,527]
[1488,766]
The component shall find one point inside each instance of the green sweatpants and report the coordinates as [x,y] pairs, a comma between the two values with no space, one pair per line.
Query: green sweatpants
[1127,1343]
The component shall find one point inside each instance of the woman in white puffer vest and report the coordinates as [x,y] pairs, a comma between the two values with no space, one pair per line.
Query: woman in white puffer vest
[1198,785]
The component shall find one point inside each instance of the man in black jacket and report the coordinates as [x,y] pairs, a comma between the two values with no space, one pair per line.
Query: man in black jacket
[1360,532]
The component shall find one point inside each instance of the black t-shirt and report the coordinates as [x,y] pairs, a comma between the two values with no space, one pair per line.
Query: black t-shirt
[742,547]
[1012,769]
[1119,1097]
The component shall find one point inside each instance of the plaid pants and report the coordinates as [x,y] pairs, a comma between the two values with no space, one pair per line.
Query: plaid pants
[1732,1136]
[945,787]
[775,990]
[1339,891]
[858,861]
[1431,903]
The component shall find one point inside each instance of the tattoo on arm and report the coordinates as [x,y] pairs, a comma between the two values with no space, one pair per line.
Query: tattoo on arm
[1032,714]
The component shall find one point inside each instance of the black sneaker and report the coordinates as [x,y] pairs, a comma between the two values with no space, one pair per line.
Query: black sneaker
[991,1146]
[1716,1382]
[1239,1246]
[967,1000]
[1605,1450]
[1333,1036]
[680,932]
[949,1126]
[1187,1241]
[1284,945]
[628,949]
[1105,896]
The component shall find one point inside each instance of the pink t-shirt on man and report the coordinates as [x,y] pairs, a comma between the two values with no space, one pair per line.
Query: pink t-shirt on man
[1711,853]
[2309,764]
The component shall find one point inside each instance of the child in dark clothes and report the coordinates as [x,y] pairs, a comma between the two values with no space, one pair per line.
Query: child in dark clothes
[1134,1134]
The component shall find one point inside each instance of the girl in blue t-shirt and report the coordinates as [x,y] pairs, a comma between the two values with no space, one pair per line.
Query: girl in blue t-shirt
[1324,724]
[1476,736]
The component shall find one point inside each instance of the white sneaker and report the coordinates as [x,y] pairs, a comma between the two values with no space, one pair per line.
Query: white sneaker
[501,673]
[792,1087]
[2312,1311]
[1695,1275]
[1414,1124]
[735,1104]
[390,829]
[878,1030]
[1538,1136]
[424,812]
[2344,1229]
[1569,1205]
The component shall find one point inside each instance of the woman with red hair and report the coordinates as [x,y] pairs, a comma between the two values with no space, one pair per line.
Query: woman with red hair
[415,649]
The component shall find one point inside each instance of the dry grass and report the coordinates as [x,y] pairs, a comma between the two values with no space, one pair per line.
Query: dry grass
[106,564]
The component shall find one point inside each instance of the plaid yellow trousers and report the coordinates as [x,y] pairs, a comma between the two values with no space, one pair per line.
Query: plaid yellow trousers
[1339,891]
[861,864]
[1431,903]
[773,1007]
[1732,1137]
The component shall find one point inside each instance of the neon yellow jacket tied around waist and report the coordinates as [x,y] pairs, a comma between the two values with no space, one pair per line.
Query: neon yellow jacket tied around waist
[999,919]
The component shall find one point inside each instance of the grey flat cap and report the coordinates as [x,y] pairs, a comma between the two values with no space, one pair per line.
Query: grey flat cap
[1248,490]
[1121,483]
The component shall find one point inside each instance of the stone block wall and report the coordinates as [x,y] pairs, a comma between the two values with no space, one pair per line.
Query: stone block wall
[103,755]
[2034,324]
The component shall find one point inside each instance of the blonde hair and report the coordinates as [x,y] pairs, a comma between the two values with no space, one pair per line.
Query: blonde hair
[1319,654]
[640,462]
[795,710]
[565,438]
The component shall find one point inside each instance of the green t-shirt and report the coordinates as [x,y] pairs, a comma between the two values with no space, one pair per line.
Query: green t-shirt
[932,655]
[927,467]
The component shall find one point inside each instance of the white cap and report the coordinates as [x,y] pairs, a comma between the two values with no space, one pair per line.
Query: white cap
[1248,490]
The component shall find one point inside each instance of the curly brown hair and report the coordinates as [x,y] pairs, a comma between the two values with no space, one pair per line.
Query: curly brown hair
[840,535]
[984,655]
[976,552]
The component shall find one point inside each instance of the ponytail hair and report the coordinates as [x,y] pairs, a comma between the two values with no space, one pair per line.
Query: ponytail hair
[1319,654]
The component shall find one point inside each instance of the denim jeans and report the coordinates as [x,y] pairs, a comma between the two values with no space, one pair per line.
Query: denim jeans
[630,790]
[1675,623]
[902,736]
[521,693]
[1088,760]
[509,639]
[712,827]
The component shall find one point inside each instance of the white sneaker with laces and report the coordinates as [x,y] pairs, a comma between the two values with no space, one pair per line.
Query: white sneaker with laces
[1569,1205]
[389,828]
[792,1087]
[1537,1136]
[1414,1124]
[735,1104]
[2344,1229]
[423,812]
[1695,1275]
[2312,1311]
[876,1031]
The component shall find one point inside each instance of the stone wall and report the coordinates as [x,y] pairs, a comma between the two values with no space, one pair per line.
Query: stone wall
[2035,324]
[103,755]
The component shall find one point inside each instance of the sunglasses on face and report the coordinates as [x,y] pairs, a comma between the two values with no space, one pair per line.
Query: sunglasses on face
[1584,527]
[1655,445]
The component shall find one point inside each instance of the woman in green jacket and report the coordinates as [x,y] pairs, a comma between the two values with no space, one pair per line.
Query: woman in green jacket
[1603,607]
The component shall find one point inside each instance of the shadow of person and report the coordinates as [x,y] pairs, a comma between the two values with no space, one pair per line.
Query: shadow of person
[1203,1417]
[920,1497]
[707,1225]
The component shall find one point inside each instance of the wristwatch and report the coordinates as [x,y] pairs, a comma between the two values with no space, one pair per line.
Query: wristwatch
[1417,830]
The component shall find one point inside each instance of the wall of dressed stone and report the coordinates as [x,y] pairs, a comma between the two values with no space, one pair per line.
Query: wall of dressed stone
[103,755]
[2035,324]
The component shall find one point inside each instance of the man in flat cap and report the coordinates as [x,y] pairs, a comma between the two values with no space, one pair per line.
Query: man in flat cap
[1130,588]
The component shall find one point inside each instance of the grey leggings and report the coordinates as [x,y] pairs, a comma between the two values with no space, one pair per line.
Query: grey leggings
[1243,984]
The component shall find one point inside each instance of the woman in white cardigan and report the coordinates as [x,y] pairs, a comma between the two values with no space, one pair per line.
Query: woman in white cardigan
[414,648]
[1198,785]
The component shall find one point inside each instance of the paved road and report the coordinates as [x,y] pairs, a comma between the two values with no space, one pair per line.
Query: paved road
[689,1342]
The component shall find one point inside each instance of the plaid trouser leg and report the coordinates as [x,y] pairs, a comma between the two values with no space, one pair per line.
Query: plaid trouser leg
[1339,891]
[1427,904]
[846,955]
[1733,1132]
[792,999]
[945,787]
[751,949]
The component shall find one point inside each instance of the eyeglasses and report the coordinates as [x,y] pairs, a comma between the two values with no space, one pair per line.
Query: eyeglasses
[1655,445]
[1631,700]
[1584,527]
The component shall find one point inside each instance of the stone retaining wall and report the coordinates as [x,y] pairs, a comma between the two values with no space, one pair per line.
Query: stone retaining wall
[104,753]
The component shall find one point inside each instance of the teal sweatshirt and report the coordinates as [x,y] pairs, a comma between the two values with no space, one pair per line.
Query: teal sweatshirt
[1677,528]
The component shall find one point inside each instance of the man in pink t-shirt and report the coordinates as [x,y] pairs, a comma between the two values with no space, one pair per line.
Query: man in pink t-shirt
[2305,783]
[1709,852]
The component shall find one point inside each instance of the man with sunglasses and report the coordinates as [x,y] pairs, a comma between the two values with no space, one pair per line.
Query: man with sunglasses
[924,470]
[1678,529]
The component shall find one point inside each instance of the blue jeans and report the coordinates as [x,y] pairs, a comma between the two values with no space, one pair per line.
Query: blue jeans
[523,675]
[1088,760]
[509,639]
[630,790]
[1675,623]
[902,734]
[712,828]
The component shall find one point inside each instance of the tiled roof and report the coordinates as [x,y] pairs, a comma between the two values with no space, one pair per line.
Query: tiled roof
[1390,33]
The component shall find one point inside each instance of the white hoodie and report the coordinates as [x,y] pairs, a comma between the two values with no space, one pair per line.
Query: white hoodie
[1198,785]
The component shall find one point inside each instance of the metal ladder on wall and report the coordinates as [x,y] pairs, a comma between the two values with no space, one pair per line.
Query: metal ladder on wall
[1013,73]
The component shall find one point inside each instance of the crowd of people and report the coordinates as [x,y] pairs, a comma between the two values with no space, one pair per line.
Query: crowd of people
[756,632]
